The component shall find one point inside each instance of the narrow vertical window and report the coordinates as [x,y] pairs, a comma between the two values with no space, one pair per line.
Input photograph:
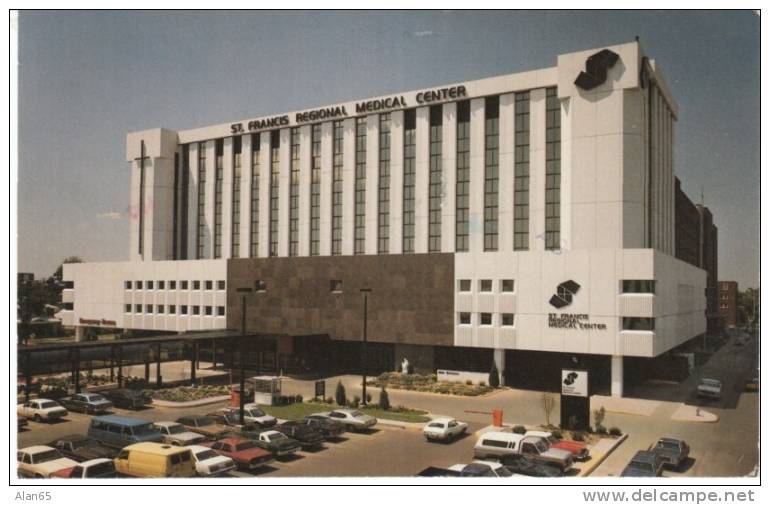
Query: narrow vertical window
[359,237]
[142,157]
[175,226]
[491,171]
[462,198]
[337,152]
[218,179]
[254,225]
[294,193]
[236,209]
[383,191]
[409,179]
[434,182]
[315,190]
[552,170]
[201,198]
[521,173]
[275,151]
[185,198]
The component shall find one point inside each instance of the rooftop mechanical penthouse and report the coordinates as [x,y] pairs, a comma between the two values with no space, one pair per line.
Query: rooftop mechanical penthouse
[526,219]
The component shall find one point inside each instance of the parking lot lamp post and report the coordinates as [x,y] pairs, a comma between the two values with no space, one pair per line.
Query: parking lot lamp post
[241,395]
[366,292]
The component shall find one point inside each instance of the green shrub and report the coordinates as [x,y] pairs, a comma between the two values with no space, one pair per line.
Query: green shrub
[339,395]
[519,429]
[601,430]
[557,434]
[384,402]
[298,399]
[615,431]
[494,376]
[355,402]
[329,400]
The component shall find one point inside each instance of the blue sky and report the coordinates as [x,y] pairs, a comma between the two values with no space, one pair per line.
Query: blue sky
[88,78]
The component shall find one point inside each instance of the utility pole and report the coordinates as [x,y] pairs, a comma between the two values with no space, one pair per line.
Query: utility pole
[241,353]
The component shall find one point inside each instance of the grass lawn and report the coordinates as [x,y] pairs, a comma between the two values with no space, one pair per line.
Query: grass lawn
[300,410]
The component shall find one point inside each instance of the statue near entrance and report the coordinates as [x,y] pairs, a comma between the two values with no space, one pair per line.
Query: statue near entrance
[405,366]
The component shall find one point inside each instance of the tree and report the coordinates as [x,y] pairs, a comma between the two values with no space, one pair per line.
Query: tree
[339,395]
[384,400]
[548,403]
[748,303]
[599,420]
[494,376]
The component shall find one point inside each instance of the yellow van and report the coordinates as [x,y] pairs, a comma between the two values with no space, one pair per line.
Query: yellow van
[151,459]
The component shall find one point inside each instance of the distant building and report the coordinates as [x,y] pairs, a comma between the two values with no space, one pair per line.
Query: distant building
[728,303]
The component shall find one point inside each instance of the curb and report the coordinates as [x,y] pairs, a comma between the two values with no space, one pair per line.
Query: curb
[194,403]
[400,424]
[594,465]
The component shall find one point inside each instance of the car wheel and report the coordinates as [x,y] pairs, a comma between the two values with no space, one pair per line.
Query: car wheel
[38,419]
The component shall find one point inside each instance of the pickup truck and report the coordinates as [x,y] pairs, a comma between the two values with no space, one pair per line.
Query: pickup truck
[87,403]
[673,452]
[40,461]
[252,414]
[709,388]
[444,428]
[41,410]
[277,443]
[177,434]
[81,448]
[579,450]
[496,444]
[309,438]
[100,468]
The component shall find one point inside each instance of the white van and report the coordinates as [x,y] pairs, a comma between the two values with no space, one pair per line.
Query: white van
[495,444]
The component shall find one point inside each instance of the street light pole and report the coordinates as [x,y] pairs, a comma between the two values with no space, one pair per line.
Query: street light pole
[242,388]
[364,355]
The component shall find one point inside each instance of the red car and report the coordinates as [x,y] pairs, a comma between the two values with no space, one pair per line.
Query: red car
[578,450]
[244,452]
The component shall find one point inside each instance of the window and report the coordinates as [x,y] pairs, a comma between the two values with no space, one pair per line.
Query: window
[294,192]
[196,310]
[275,163]
[161,309]
[254,224]
[485,285]
[128,284]
[486,318]
[172,285]
[359,231]
[465,285]
[260,286]
[410,121]
[465,318]
[185,201]
[507,319]
[161,284]
[638,286]
[383,192]
[183,309]
[219,175]
[128,307]
[138,284]
[201,198]
[69,284]
[183,285]
[315,190]
[196,285]
[138,308]
[172,309]
[521,173]
[435,179]
[221,285]
[209,285]
[639,323]
[462,197]
[148,308]
[491,171]
[220,310]
[506,285]
[335,286]
[236,198]
[208,310]
[150,285]
[337,152]
[552,170]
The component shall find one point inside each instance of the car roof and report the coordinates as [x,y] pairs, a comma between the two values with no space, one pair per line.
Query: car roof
[442,419]
[93,462]
[502,436]
[124,420]
[155,448]
[647,456]
[535,433]
[167,423]
[233,440]
[36,449]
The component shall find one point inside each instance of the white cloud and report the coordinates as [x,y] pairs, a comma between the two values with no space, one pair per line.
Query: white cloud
[111,215]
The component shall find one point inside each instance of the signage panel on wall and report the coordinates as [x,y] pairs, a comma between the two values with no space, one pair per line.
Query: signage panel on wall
[574,382]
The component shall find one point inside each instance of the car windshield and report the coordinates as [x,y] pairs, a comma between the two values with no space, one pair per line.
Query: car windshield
[48,405]
[244,446]
[666,444]
[255,413]
[276,436]
[641,465]
[176,429]
[143,429]
[105,468]
[435,425]
[541,446]
[203,455]
[46,456]
[94,398]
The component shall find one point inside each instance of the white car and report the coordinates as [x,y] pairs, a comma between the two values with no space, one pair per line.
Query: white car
[482,469]
[177,434]
[252,414]
[41,410]
[354,420]
[709,388]
[208,463]
[444,428]
[40,461]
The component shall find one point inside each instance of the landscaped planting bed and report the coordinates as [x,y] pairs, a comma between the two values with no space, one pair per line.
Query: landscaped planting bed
[427,384]
[187,393]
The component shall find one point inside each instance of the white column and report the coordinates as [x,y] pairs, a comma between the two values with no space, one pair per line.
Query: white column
[284,192]
[133,214]
[245,206]
[159,208]
[305,139]
[192,202]
[208,235]
[372,182]
[325,246]
[505,171]
[80,333]
[449,176]
[499,357]
[263,247]
[348,185]
[537,170]
[421,179]
[617,376]
[476,213]
[396,182]
[227,198]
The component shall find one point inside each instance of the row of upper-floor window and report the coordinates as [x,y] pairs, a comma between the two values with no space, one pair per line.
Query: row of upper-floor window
[196,285]
[507,319]
[507,286]
[195,310]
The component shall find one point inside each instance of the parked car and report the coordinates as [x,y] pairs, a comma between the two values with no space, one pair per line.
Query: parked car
[208,463]
[177,434]
[120,431]
[444,428]
[246,454]
[41,410]
[579,450]
[204,425]
[277,443]
[472,470]
[520,464]
[128,398]
[709,388]
[151,459]
[99,468]
[252,414]
[40,461]
[308,437]
[226,417]
[87,403]
[329,429]
[482,469]
[673,452]
[81,448]
[496,444]
[354,420]
[434,471]
[644,464]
